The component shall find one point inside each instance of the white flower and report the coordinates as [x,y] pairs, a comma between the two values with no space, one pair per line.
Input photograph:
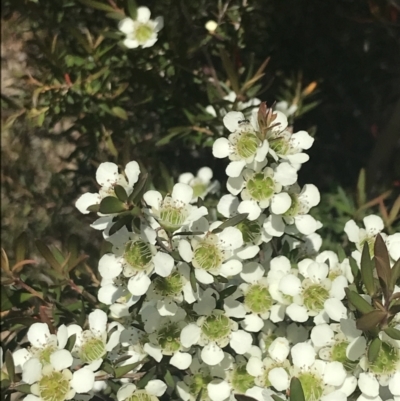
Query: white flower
[242,146]
[142,31]
[284,107]
[153,390]
[201,184]
[54,381]
[211,26]
[43,344]
[174,211]
[107,177]
[211,253]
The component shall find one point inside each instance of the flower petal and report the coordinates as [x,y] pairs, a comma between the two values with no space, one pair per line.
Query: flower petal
[212,354]
[182,193]
[98,322]
[163,264]
[139,284]
[221,148]
[132,171]
[86,200]
[231,120]
[61,359]
[241,341]
[107,174]
[280,203]
[190,335]
[153,198]
[143,14]
[38,334]
[235,168]
[109,266]
[126,25]
[83,380]
[181,360]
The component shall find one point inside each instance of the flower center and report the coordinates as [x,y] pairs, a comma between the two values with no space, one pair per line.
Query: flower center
[241,380]
[92,349]
[294,207]
[44,353]
[250,230]
[168,286]
[315,297]
[216,327]
[279,145]
[246,145]
[141,395]
[339,355]
[258,299]
[138,255]
[370,241]
[260,187]
[53,387]
[387,360]
[199,382]
[312,386]
[143,33]
[207,256]
[199,189]
[172,216]
[169,338]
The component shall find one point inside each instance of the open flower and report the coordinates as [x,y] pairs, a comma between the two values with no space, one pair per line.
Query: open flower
[153,390]
[142,31]
[201,184]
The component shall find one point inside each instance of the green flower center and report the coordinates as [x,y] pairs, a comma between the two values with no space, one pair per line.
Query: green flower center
[279,145]
[370,241]
[387,360]
[54,387]
[169,338]
[143,33]
[339,355]
[312,386]
[260,187]
[247,145]
[241,380]
[172,216]
[44,353]
[315,297]
[258,299]
[198,189]
[294,207]
[216,327]
[138,254]
[141,395]
[169,286]
[250,230]
[93,349]
[207,256]
[199,382]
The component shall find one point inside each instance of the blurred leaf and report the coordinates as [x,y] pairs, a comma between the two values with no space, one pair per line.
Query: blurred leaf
[48,255]
[358,302]
[361,195]
[187,233]
[230,70]
[123,370]
[110,205]
[21,247]
[394,211]
[296,390]
[9,361]
[367,274]
[70,343]
[371,320]
[198,398]
[147,377]
[168,379]
[172,132]
[373,349]
[132,8]
[393,333]
[6,303]
[120,112]
[276,398]
[233,221]
[23,388]
[5,265]
[97,5]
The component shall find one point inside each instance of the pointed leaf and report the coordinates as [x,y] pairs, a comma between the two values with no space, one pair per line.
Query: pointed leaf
[139,188]
[227,292]
[10,365]
[5,265]
[296,390]
[230,70]
[358,302]
[147,377]
[188,233]
[169,380]
[193,281]
[120,193]
[382,261]
[367,275]
[395,275]
[276,398]
[233,221]
[48,255]
[122,221]
[355,271]
[373,349]
[110,205]
[361,195]
[120,112]
[70,342]
[123,370]
[242,397]
[23,388]
[97,5]
[132,8]
[393,333]
[20,247]
[371,320]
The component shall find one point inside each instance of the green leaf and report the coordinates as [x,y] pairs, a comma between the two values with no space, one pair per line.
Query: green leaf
[370,320]
[97,5]
[132,8]
[395,274]
[48,256]
[23,388]
[120,193]
[230,70]
[227,292]
[361,195]
[188,233]
[193,281]
[296,390]
[139,188]
[367,274]
[233,221]
[358,302]
[172,132]
[169,379]
[115,15]
[341,254]
[122,221]
[355,271]
[147,377]
[70,343]
[94,208]
[120,112]
[276,398]
[373,349]
[123,370]
[393,333]
[110,204]
[21,247]
[9,361]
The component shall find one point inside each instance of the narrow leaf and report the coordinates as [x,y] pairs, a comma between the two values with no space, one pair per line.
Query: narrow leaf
[23,388]
[227,292]
[21,247]
[123,370]
[193,281]
[296,390]
[110,205]
[120,193]
[361,195]
[70,343]
[230,71]
[358,302]
[367,271]
[395,275]
[139,188]
[5,265]
[188,233]
[132,8]
[147,377]
[373,349]
[97,5]
[393,333]
[10,366]
[169,380]
[233,221]
[371,320]
[120,112]
[48,256]
[122,221]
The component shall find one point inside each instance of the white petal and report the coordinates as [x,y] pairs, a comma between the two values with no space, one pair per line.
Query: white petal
[231,238]
[182,193]
[86,200]
[227,205]
[20,357]
[82,380]
[310,196]
[231,120]
[368,384]
[153,198]
[302,140]
[274,225]
[38,334]
[185,178]
[190,335]
[322,335]
[234,308]
[248,252]
[32,371]
[335,309]
[221,148]
[159,24]
[251,207]
[279,378]
[254,366]
[166,307]
[394,384]
[235,168]
[107,174]
[125,391]
[252,323]
[163,264]
[290,285]
[303,355]
[334,374]
[306,224]
[373,224]
[185,250]
[285,174]
[102,223]
[280,203]
[138,284]
[154,351]
[235,185]
[132,171]
[31,397]
[109,293]
[241,341]
[297,313]
[211,354]
[262,152]
[203,276]
[143,14]
[218,390]
[181,360]
[205,174]
[62,336]
[335,396]
[131,43]
[231,268]
[61,359]
[317,271]
[277,313]
[109,266]
[126,25]
[98,321]
[352,231]
[356,349]
[279,349]
[156,387]
[280,121]
[252,272]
